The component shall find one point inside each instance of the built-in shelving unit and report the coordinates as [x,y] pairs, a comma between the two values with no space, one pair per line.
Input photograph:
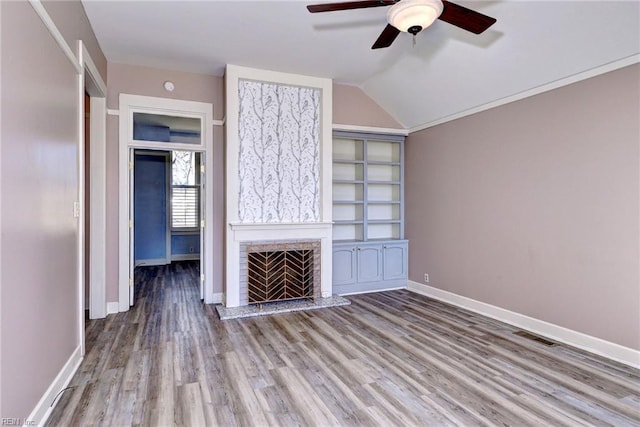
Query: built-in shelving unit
[368,218]
[367,187]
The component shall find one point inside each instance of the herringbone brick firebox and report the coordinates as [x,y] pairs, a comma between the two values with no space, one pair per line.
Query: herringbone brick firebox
[279,270]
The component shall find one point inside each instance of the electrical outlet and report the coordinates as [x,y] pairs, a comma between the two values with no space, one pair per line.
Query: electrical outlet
[426,277]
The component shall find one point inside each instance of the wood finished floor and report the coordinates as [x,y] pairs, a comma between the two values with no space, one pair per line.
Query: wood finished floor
[391,358]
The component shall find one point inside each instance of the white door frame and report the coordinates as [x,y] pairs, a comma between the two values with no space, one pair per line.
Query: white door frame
[91,82]
[136,103]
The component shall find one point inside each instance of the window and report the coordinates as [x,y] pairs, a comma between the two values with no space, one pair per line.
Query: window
[185,190]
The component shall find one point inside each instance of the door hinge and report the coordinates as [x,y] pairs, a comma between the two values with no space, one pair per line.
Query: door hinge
[130,165]
[202,278]
[130,223]
[131,283]
[201,168]
[202,224]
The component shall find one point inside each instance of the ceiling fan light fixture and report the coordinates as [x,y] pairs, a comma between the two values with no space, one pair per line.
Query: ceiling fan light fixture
[413,16]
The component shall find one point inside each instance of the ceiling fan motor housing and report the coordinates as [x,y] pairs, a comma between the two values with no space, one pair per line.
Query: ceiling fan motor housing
[412,16]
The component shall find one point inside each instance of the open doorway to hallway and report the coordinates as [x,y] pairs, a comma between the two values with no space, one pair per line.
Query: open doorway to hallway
[167,213]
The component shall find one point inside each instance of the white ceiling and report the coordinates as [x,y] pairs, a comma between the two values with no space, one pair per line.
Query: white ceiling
[448,70]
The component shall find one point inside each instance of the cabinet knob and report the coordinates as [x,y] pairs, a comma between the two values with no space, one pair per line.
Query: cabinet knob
[385,247]
[358,248]
[353,249]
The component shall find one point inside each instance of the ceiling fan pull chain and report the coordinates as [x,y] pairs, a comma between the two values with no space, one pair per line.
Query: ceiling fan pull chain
[414,41]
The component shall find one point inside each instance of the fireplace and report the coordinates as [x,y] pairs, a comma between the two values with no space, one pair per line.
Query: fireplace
[279,271]
[278,187]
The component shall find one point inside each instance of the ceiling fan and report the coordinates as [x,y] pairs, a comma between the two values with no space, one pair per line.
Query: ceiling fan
[413,16]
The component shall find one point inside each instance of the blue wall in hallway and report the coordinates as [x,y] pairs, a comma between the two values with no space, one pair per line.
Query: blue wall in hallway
[150,206]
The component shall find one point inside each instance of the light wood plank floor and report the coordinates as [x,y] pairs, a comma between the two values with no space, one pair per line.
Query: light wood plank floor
[391,358]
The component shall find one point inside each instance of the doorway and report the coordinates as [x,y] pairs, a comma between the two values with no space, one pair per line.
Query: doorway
[166,125]
[167,210]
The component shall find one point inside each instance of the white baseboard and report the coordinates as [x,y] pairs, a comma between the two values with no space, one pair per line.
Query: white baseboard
[586,342]
[395,288]
[113,307]
[44,407]
[150,262]
[185,257]
[217,298]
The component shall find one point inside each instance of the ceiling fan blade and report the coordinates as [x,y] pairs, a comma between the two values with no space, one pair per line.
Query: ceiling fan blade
[387,37]
[464,18]
[347,5]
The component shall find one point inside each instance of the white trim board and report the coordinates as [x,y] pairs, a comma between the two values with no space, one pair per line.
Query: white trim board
[46,404]
[393,288]
[185,257]
[612,66]
[56,34]
[218,298]
[371,129]
[113,307]
[570,337]
[150,262]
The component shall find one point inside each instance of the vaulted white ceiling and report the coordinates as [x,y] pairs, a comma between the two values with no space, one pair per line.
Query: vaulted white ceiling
[447,72]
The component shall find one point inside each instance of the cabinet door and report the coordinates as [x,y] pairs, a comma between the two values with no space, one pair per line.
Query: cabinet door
[394,256]
[369,263]
[344,265]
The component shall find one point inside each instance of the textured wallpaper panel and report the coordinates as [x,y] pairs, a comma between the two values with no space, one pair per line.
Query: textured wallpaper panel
[279,170]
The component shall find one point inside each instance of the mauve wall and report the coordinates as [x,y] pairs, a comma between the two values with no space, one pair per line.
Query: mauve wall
[351,106]
[534,206]
[146,81]
[72,22]
[39,180]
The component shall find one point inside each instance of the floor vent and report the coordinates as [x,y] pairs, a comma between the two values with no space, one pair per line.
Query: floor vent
[532,337]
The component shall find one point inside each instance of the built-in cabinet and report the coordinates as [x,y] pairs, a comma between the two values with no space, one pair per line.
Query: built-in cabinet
[369,252]
[363,267]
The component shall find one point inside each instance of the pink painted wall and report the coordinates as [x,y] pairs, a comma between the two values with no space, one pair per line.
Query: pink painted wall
[146,81]
[73,24]
[534,206]
[39,183]
[351,106]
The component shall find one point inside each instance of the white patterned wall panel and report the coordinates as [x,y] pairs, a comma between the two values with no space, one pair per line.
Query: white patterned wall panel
[279,158]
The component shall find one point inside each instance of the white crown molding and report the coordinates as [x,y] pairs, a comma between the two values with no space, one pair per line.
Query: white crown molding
[57,35]
[45,405]
[370,129]
[561,334]
[611,66]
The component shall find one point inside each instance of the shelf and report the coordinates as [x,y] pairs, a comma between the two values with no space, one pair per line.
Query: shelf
[347,181]
[367,168]
[370,182]
[350,202]
[348,221]
[381,163]
[348,162]
[383,202]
